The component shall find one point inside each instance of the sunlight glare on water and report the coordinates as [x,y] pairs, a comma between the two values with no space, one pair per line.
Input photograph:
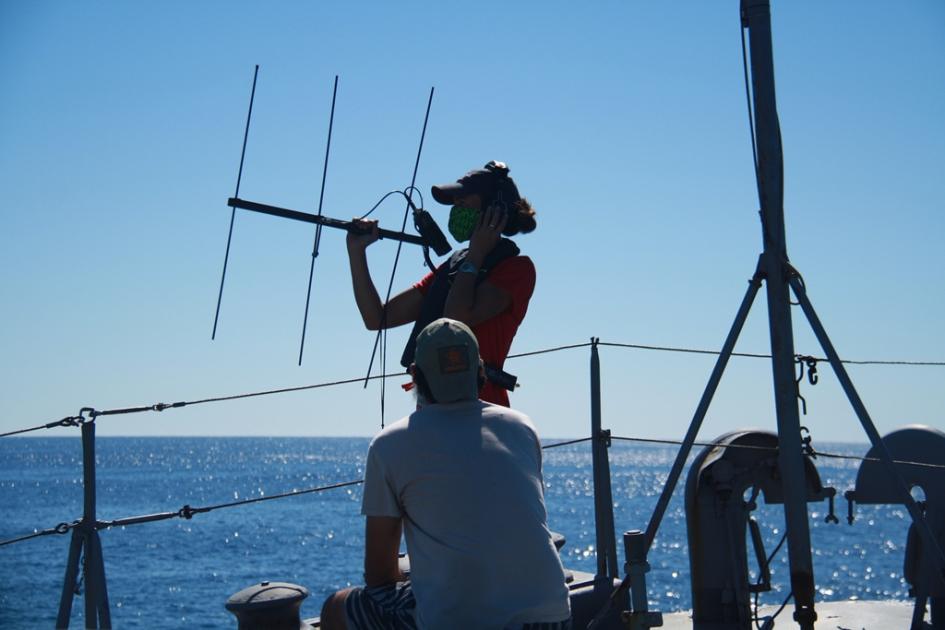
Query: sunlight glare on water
[184,570]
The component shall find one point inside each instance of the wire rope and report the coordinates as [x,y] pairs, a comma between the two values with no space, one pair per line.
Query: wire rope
[78,420]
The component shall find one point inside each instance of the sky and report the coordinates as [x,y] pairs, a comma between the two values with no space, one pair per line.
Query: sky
[625,124]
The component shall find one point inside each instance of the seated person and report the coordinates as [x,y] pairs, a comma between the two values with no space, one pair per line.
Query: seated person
[462,479]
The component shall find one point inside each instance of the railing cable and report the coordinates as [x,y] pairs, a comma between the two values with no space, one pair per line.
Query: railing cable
[77,420]
[61,528]
[68,421]
[188,512]
[775,448]
[567,443]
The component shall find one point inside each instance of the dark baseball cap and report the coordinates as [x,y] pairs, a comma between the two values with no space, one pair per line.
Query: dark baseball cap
[492,183]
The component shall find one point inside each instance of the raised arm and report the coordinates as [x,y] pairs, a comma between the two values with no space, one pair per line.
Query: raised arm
[402,308]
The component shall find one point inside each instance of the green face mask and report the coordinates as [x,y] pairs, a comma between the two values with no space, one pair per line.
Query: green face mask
[462,222]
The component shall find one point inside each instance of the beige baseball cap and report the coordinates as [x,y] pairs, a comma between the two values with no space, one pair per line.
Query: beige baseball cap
[448,355]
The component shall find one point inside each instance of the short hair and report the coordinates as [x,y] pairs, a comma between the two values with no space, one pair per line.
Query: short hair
[424,395]
[521,218]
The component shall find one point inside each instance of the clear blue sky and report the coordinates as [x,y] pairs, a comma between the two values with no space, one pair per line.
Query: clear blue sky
[624,122]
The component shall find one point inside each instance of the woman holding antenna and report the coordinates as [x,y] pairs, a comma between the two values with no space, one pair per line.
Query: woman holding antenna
[487,285]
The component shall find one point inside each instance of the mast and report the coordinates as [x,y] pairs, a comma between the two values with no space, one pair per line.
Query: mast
[756,15]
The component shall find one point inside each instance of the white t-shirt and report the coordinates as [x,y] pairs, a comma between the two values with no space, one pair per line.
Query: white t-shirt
[466,478]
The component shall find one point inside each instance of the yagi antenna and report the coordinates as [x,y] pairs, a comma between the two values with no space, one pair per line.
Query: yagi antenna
[429,234]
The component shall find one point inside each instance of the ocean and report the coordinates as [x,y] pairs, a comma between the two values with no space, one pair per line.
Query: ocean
[179,573]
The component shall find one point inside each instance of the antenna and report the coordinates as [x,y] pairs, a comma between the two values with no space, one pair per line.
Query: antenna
[239,177]
[318,229]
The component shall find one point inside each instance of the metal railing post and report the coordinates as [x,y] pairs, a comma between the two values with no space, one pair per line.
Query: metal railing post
[85,536]
[603,498]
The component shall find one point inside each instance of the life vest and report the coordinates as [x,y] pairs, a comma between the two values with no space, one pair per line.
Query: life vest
[435,299]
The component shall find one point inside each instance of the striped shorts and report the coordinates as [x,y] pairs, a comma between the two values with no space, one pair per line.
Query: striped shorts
[391,607]
[387,607]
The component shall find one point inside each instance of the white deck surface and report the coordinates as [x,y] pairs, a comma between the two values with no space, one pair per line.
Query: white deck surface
[849,615]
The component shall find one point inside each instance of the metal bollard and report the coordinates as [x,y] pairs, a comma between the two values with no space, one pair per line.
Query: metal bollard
[638,617]
[268,605]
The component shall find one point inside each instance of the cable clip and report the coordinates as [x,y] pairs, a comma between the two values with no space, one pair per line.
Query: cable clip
[186,512]
[68,421]
[163,406]
[604,435]
[807,447]
[811,369]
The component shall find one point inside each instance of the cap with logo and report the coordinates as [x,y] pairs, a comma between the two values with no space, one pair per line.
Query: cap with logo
[448,355]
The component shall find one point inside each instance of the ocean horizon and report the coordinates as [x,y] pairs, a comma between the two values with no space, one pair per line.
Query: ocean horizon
[180,572]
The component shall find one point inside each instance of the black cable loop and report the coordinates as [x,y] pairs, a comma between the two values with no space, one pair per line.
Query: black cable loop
[380,201]
[768,565]
[409,191]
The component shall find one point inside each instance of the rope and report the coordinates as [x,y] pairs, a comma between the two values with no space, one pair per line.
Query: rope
[284,390]
[548,350]
[877,459]
[814,454]
[61,528]
[185,512]
[686,350]
[188,512]
[679,442]
[68,421]
[569,442]
[78,420]
[753,355]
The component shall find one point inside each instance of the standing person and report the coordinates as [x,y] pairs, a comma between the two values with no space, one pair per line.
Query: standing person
[462,479]
[487,286]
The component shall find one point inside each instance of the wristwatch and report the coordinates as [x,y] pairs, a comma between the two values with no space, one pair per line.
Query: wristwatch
[468,267]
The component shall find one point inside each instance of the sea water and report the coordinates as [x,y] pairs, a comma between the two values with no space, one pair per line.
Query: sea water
[179,572]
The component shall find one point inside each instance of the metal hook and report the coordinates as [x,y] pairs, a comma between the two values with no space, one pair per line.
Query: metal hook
[831,517]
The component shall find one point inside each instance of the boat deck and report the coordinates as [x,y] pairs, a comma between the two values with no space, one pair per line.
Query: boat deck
[846,615]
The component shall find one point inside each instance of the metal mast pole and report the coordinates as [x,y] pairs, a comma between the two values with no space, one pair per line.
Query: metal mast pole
[756,14]
[603,497]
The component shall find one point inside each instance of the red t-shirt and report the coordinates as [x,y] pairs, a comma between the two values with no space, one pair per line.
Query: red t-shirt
[516,276]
